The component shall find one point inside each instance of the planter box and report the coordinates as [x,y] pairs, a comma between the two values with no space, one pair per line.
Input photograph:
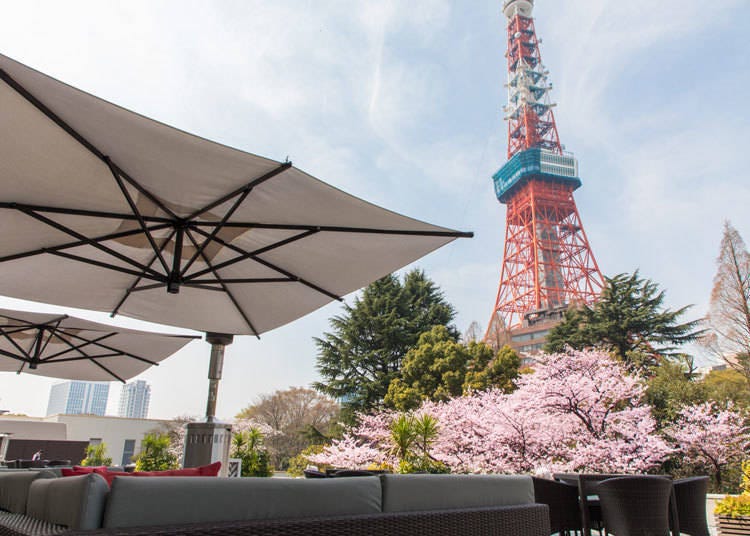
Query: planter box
[733,526]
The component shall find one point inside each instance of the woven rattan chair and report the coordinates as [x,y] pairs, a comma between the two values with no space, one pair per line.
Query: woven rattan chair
[562,499]
[690,495]
[637,506]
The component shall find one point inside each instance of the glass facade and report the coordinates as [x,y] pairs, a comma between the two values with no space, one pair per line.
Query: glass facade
[76,398]
[134,400]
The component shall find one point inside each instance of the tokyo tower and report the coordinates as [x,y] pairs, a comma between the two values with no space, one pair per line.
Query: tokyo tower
[547,260]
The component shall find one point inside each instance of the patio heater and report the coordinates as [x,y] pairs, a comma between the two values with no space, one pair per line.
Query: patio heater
[209,441]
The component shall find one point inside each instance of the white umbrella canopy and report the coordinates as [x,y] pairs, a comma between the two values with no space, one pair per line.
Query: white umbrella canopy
[105,209]
[62,346]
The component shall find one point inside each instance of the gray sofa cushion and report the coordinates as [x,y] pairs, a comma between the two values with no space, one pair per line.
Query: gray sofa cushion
[411,493]
[166,500]
[14,489]
[74,501]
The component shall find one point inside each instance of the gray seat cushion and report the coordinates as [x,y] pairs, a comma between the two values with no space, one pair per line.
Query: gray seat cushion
[14,489]
[76,502]
[412,493]
[23,524]
[167,500]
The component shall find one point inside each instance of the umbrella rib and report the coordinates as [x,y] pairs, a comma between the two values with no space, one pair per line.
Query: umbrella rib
[14,343]
[245,280]
[140,276]
[69,245]
[96,342]
[39,105]
[338,229]
[73,348]
[82,358]
[244,189]
[90,241]
[51,332]
[275,268]
[215,231]
[94,361]
[6,353]
[248,255]
[82,212]
[104,265]
[224,287]
[137,213]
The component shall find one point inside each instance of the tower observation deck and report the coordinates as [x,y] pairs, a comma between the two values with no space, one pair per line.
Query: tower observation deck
[547,261]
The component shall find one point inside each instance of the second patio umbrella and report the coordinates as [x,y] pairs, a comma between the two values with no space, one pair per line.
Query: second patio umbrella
[62,346]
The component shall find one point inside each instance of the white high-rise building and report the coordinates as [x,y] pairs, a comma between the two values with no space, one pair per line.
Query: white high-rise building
[76,398]
[134,399]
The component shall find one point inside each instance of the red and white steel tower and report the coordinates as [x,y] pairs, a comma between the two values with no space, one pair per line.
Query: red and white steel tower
[547,260]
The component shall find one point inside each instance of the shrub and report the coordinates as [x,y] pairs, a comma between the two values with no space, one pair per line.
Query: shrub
[96,455]
[248,446]
[155,454]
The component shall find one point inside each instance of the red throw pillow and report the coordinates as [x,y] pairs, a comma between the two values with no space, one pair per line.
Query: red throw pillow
[150,473]
[210,470]
[109,476]
[65,471]
[85,469]
[188,471]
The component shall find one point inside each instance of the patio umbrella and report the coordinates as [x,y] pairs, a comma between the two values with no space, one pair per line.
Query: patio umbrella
[62,346]
[105,209]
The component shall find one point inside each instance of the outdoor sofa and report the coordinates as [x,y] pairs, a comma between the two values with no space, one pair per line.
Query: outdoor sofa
[40,504]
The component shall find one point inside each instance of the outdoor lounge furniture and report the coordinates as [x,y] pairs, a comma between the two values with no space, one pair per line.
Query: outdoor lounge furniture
[690,496]
[590,509]
[562,500]
[435,505]
[637,506]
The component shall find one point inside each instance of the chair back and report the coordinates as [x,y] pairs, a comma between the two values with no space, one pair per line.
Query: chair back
[690,494]
[562,499]
[636,505]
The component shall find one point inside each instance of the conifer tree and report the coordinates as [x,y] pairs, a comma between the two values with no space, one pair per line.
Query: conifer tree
[630,321]
[362,354]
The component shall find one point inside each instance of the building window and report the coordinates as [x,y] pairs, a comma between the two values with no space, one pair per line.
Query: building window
[127,451]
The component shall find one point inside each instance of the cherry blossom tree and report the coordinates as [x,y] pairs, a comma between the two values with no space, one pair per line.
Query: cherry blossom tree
[711,436]
[578,410]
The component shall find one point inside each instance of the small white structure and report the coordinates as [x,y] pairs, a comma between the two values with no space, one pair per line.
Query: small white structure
[122,436]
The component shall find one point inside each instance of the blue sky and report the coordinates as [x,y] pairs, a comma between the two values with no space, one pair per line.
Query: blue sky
[399,102]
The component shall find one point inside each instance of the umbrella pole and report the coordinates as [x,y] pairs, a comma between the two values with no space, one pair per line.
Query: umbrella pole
[209,441]
[218,342]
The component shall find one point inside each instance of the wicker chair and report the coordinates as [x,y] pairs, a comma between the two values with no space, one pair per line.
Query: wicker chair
[562,499]
[690,495]
[637,506]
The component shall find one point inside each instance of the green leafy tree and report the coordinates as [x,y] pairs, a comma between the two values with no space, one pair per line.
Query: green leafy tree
[670,389]
[363,353]
[298,417]
[500,372]
[440,367]
[248,446]
[155,454]
[725,386]
[729,311]
[96,456]
[299,463]
[631,322]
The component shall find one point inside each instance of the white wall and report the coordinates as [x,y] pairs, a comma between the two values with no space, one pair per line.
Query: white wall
[113,431]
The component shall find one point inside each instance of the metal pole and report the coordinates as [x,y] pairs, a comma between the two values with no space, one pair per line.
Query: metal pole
[218,342]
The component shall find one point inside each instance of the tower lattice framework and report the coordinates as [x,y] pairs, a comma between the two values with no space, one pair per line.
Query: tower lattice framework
[547,260]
